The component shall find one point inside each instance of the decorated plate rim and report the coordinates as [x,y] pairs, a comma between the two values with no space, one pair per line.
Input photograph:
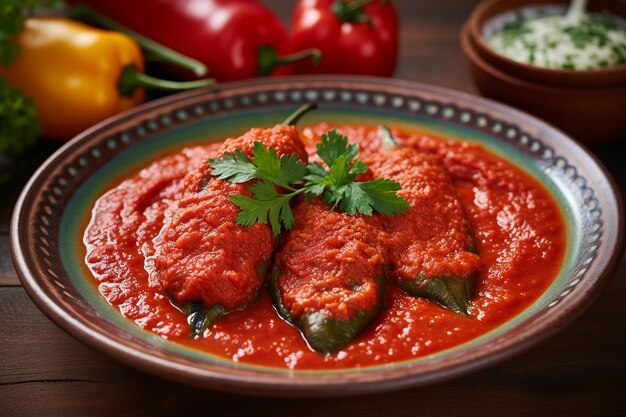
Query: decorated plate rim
[38,198]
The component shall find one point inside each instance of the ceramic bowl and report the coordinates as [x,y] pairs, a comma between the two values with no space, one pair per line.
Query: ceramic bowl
[52,212]
[490,16]
[588,104]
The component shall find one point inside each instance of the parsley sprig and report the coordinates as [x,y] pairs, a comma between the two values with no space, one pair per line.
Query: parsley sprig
[281,179]
[338,186]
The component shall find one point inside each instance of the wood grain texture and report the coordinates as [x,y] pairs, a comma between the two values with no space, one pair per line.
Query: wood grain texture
[579,372]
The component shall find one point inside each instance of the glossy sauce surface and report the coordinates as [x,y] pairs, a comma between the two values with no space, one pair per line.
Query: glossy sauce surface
[518,230]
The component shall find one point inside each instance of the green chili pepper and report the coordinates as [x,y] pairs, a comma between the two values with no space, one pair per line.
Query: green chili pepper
[450,291]
[324,333]
[333,301]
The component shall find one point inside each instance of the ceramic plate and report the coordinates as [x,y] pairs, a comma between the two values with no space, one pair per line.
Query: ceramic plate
[52,212]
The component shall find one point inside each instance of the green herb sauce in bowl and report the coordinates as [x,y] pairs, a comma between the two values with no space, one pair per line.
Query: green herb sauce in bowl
[575,40]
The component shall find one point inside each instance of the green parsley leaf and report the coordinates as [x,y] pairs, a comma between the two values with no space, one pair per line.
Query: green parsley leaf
[337,185]
[382,196]
[267,206]
[334,145]
[315,172]
[282,172]
[316,180]
[353,198]
[358,168]
[235,168]
[265,165]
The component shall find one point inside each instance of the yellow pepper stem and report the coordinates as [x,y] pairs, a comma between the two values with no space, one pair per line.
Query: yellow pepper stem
[131,79]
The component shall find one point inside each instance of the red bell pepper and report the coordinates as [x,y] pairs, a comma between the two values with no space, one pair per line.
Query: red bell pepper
[355,37]
[235,39]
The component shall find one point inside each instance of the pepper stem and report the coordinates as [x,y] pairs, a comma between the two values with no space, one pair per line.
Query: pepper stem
[352,11]
[389,141]
[155,49]
[268,58]
[293,118]
[131,79]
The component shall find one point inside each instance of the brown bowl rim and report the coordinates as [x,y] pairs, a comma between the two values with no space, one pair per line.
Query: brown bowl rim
[471,52]
[575,77]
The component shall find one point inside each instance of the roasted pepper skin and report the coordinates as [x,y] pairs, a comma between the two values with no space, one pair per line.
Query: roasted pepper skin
[329,277]
[323,332]
[70,71]
[453,292]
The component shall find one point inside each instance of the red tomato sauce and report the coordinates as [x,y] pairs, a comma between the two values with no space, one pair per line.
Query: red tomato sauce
[517,227]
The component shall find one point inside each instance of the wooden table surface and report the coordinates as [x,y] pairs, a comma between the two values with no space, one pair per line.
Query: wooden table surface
[579,372]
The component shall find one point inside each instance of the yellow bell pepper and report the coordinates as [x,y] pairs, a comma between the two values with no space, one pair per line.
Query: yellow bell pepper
[78,75]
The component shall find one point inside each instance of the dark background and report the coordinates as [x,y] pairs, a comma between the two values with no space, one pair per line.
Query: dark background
[579,372]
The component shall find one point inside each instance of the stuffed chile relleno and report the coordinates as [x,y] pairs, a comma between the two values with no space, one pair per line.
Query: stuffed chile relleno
[432,253]
[202,258]
[328,277]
